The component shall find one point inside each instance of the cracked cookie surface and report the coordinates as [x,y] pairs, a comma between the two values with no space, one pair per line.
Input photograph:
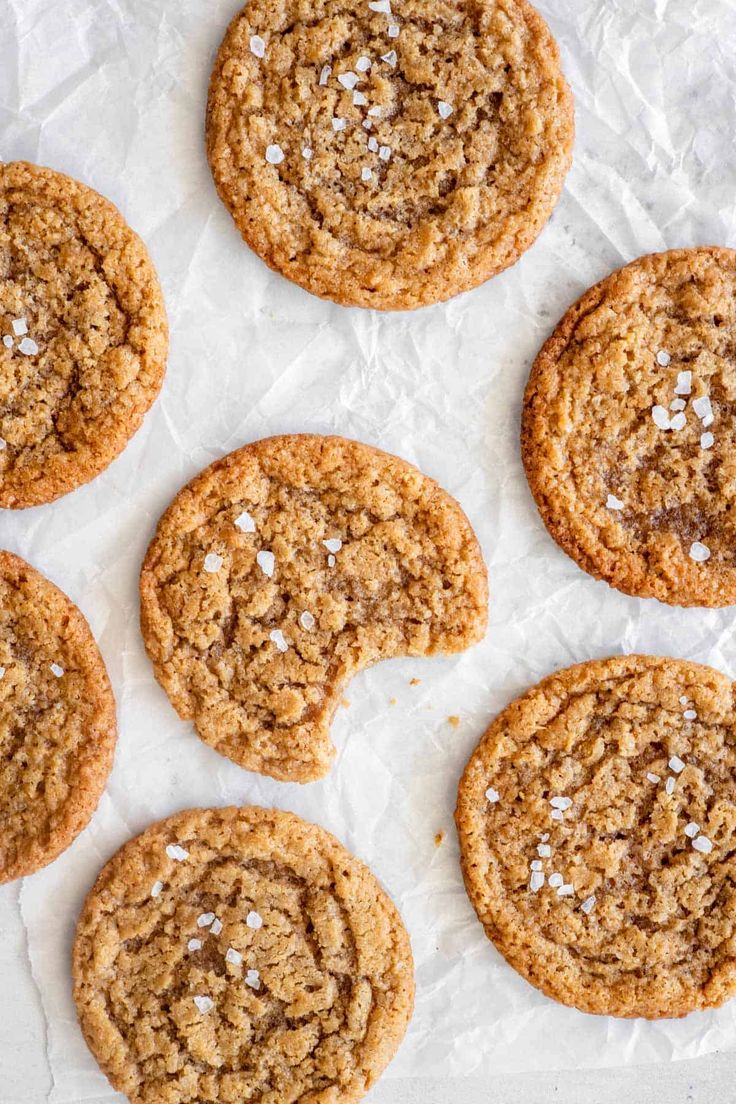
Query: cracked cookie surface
[285,568]
[57,720]
[84,334]
[241,954]
[596,821]
[629,429]
[389,158]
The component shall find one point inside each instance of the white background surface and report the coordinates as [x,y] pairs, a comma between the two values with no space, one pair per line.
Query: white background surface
[113,92]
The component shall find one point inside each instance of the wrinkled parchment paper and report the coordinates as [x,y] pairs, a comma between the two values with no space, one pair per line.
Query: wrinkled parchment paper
[113,92]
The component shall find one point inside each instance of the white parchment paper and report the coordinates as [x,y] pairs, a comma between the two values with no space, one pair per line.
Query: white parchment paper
[113,92]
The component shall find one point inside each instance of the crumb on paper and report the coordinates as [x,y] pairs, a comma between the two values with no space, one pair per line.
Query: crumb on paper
[392,701]
[414,682]
[453,720]
[439,838]
[345,702]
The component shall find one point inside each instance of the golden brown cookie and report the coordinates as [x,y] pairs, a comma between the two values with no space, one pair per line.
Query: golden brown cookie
[284,569]
[629,433]
[389,157]
[231,955]
[596,821]
[57,720]
[83,334]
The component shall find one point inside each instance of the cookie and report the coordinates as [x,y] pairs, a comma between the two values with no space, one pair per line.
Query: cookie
[57,721]
[389,159]
[235,954]
[596,821]
[284,569]
[628,429]
[83,334]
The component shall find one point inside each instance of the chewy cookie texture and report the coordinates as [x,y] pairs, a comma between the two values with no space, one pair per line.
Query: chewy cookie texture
[83,334]
[386,154]
[57,721]
[234,954]
[628,429]
[596,821]
[285,568]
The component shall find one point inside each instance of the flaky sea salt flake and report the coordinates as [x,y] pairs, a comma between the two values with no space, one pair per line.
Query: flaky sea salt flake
[348,80]
[156,888]
[306,620]
[8,341]
[363,64]
[556,880]
[393,31]
[213,562]
[676,764]
[366,174]
[205,919]
[254,920]
[678,422]
[613,503]
[325,74]
[233,957]
[544,850]
[678,404]
[257,46]
[536,864]
[699,552]
[253,979]
[390,58]
[28,347]
[245,523]
[380,6]
[707,440]
[267,562]
[334,544]
[176,852]
[373,144]
[663,358]
[375,112]
[670,785]
[307,153]
[274,154]
[557,814]
[560,803]
[2,672]
[204,1004]
[338,124]
[56,670]
[385,153]
[536,881]
[492,795]
[690,715]
[359,99]
[216,927]
[692,829]
[565,891]
[445,109]
[331,561]
[704,410]
[20,327]
[653,777]
[278,639]
[194,945]
[684,383]
[588,905]
[703,844]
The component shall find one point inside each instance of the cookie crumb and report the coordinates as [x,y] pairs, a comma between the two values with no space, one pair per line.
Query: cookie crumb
[439,839]
[414,682]
[454,721]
